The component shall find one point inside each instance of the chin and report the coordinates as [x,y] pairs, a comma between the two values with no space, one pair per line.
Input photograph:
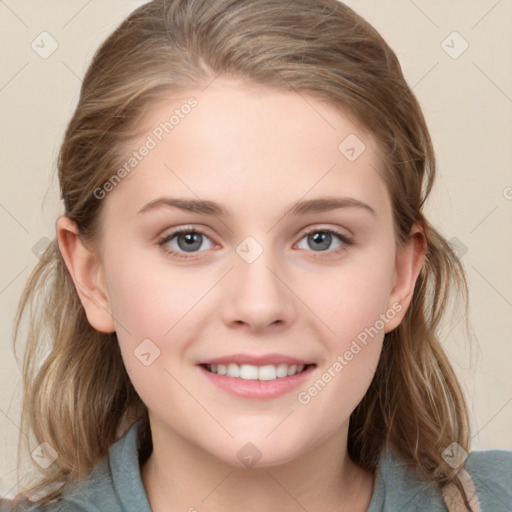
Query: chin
[259,454]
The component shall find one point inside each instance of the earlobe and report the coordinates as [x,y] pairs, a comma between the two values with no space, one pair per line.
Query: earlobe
[86,272]
[409,261]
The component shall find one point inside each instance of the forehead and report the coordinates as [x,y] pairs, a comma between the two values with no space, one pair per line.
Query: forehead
[248,146]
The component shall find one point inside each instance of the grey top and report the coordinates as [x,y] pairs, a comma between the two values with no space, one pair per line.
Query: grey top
[115,484]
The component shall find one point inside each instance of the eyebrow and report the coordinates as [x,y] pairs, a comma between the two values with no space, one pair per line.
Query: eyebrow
[206,207]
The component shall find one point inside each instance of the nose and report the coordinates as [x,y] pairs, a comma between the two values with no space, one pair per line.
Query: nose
[257,296]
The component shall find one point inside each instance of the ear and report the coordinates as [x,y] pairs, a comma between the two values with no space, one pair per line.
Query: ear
[409,261]
[86,272]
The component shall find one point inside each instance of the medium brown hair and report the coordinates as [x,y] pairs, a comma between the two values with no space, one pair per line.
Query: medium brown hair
[77,394]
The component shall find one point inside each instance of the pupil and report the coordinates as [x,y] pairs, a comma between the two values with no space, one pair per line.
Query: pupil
[190,240]
[321,237]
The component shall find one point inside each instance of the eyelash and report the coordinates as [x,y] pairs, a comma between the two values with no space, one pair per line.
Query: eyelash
[178,255]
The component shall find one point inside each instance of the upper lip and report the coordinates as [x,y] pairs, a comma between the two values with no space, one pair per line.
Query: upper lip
[256,360]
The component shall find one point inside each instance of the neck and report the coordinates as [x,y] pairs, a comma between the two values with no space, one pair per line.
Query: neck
[181,476]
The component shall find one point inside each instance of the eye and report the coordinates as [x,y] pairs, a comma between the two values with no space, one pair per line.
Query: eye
[322,239]
[183,240]
[190,240]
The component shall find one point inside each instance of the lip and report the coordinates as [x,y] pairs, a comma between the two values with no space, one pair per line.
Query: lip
[256,359]
[257,389]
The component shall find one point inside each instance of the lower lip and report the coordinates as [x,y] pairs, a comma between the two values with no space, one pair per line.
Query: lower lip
[258,389]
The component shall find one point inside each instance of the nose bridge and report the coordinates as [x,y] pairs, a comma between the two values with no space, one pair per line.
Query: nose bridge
[256,269]
[257,294]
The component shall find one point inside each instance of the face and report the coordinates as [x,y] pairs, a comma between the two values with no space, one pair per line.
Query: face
[263,279]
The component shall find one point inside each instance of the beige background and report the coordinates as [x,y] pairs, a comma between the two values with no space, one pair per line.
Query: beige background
[467,100]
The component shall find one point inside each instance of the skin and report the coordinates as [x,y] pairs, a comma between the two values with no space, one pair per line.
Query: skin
[256,152]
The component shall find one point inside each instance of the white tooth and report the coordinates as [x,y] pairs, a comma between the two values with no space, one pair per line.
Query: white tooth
[233,370]
[292,369]
[248,372]
[267,372]
[282,371]
[251,372]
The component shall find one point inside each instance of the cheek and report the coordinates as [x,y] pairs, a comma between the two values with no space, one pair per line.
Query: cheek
[155,303]
[149,300]
[355,310]
[354,296]
[150,311]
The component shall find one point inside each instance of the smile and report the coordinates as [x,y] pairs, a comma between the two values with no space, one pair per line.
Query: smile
[257,382]
[253,372]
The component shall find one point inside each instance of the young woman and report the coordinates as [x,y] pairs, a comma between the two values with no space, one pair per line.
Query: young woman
[243,295]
